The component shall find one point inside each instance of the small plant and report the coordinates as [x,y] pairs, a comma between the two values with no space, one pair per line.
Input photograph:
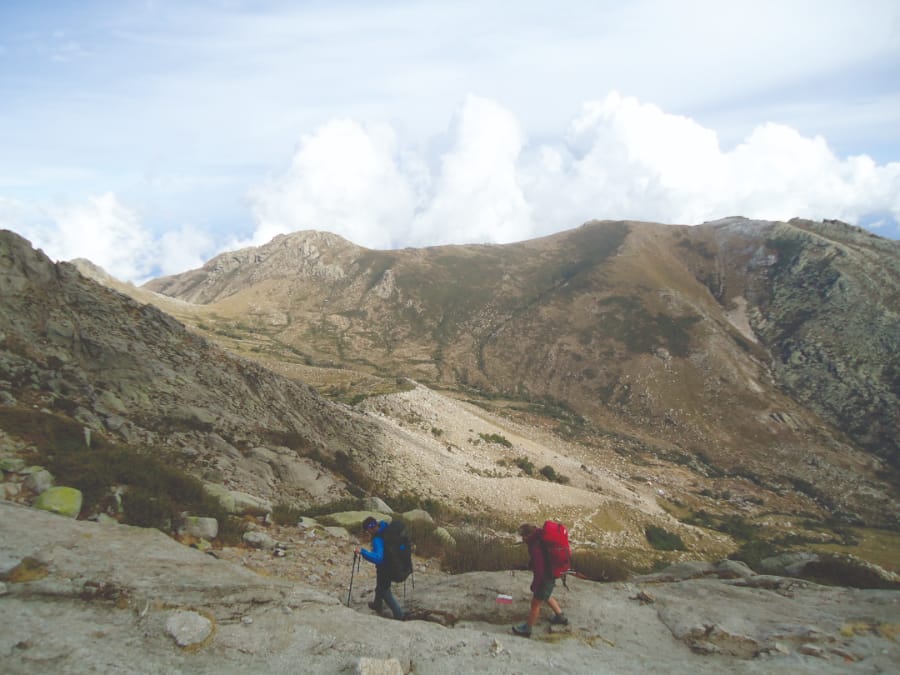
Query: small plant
[525,464]
[550,474]
[436,432]
[496,438]
[663,540]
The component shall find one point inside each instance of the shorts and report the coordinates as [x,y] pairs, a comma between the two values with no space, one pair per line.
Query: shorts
[545,590]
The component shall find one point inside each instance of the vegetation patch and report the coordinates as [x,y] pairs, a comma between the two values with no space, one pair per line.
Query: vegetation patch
[500,439]
[597,566]
[663,540]
[154,490]
[481,552]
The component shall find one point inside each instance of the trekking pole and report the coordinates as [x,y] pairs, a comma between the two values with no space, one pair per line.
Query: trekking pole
[353,566]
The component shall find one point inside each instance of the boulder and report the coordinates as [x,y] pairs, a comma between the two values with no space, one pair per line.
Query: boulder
[238,503]
[258,539]
[197,526]
[788,564]
[418,516]
[376,504]
[353,520]
[65,501]
[444,537]
[39,481]
[12,464]
[188,628]
[339,532]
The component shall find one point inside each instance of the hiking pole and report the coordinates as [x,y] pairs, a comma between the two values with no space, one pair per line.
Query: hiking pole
[353,567]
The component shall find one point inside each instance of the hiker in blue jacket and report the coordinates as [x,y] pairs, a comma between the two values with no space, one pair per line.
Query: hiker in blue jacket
[383,593]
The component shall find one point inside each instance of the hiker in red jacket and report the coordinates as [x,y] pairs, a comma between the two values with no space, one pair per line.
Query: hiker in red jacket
[542,582]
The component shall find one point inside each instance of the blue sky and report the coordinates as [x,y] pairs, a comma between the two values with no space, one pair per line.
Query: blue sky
[149,136]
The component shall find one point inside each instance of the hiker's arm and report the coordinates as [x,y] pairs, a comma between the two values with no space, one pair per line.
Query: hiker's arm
[376,555]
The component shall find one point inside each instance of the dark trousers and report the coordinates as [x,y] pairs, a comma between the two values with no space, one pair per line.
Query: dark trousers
[383,592]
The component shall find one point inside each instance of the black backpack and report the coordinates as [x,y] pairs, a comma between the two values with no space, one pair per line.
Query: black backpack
[397,551]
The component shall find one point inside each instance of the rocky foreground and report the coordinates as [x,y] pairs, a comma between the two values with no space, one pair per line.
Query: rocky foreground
[83,597]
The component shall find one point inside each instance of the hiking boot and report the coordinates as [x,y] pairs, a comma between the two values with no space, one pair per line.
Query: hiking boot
[375,606]
[523,630]
[559,620]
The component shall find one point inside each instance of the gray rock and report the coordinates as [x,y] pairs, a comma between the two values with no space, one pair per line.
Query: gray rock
[787,564]
[376,504]
[339,532]
[12,464]
[444,537]
[203,527]
[188,628]
[457,626]
[259,540]
[353,520]
[39,482]
[418,516]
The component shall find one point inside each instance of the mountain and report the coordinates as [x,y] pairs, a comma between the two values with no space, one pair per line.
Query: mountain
[764,353]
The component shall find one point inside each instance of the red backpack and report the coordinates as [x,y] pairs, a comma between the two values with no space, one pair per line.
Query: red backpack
[555,538]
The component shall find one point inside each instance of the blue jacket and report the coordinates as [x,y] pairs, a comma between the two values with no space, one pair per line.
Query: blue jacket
[376,555]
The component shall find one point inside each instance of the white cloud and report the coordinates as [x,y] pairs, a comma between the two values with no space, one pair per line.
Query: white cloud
[620,158]
[183,249]
[346,178]
[477,196]
[103,231]
[100,229]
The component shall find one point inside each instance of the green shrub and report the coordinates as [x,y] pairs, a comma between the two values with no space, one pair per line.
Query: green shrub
[598,566]
[754,551]
[478,552]
[525,465]
[834,570]
[338,505]
[286,514]
[496,438]
[550,474]
[663,540]
[156,490]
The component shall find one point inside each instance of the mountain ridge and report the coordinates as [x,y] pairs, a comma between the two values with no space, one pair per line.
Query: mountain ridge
[657,332]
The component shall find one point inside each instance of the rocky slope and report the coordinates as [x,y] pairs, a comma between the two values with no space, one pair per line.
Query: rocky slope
[76,352]
[761,351]
[80,597]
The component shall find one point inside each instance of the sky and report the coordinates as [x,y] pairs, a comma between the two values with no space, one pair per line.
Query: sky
[149,136]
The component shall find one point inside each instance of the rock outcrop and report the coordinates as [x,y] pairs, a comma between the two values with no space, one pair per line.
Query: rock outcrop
[113,598]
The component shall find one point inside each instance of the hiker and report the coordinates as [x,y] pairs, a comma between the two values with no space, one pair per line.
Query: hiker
[542,582]
[376,556]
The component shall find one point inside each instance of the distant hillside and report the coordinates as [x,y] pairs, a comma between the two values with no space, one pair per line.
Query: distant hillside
[767,350]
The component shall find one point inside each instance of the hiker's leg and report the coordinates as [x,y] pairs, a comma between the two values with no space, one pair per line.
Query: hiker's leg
[382,587]
[554,605]
[534,611]
[392,603]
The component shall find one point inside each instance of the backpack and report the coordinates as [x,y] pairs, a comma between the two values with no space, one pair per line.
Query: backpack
[555,539]
[397,551]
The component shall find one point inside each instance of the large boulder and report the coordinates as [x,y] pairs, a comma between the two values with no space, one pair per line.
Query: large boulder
[238,503]
[65,501]
[353,520]
[197,526]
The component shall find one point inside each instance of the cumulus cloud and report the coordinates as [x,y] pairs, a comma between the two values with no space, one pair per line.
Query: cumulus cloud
[101,229]
[346,178]
[619,158]
[109,234]
[478,195]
